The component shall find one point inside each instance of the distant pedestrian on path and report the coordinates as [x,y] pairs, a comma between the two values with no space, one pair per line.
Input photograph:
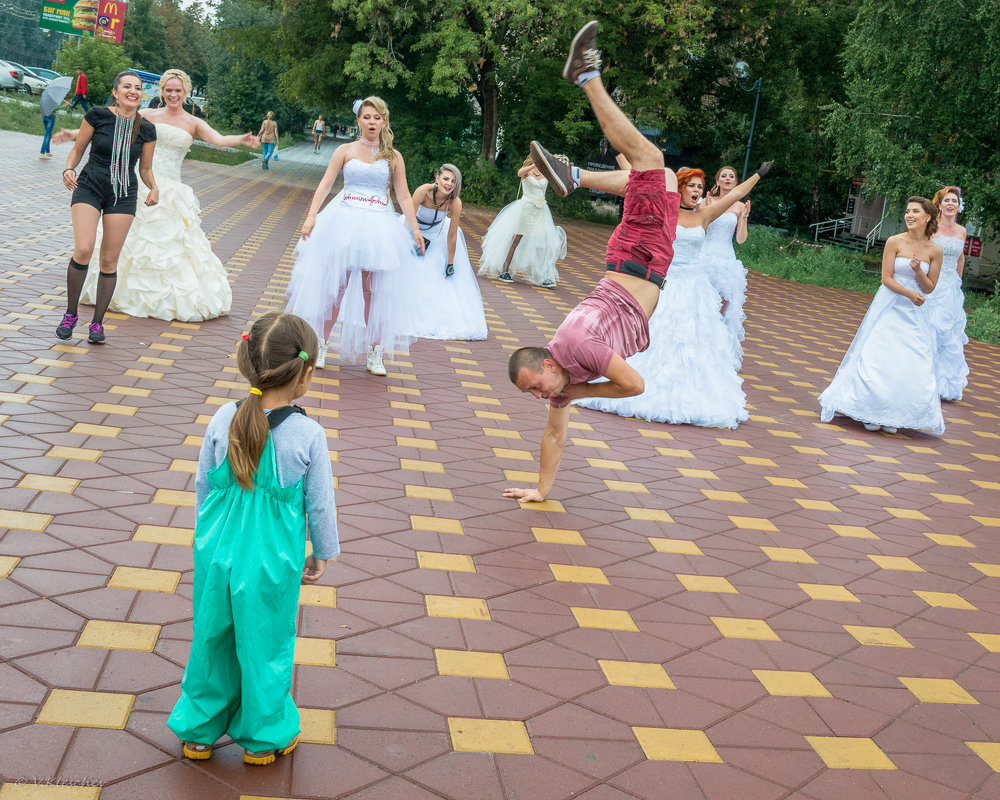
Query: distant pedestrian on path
[268,135]
[318,128]
[264,482]
[80,93]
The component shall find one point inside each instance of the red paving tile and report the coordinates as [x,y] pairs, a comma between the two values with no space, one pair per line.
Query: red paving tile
[392,707]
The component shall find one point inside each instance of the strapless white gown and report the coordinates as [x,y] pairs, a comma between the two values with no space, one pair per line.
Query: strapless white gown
[442,307]
[542,243]
[688,369]
[167,269]
[887,376]
[357,233]
[728,275]
[946,306]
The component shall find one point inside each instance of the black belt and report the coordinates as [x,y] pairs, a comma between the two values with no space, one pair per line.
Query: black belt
[638,270]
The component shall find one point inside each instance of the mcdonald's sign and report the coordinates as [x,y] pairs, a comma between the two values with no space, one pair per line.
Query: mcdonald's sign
[110,20]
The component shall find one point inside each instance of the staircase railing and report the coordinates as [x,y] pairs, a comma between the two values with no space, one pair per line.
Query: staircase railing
[835,225]
[873,234]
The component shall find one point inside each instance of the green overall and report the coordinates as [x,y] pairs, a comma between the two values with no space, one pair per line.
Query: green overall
[249,551]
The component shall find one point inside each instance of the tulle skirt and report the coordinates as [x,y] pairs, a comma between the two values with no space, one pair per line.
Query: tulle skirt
[166,269]
[446,308]
[946,307]
[542,243]
[729,277]
[688,369]
[349,245]
[887,376]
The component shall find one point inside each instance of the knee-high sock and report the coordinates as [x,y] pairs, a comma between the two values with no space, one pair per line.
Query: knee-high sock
[106,283]
[76,275]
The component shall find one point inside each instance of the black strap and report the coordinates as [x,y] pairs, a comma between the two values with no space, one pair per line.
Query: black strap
[279,415]
[638,270]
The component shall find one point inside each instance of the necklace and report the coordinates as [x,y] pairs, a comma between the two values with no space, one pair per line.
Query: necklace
[373,146]
[686,208]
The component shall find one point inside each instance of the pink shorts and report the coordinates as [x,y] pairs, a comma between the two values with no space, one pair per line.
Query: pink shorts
[649,223]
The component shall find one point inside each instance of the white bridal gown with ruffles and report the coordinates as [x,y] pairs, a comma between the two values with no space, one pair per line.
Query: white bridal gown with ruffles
[688,368]
[728,275]
[887,376]
[947,313]
[167,269]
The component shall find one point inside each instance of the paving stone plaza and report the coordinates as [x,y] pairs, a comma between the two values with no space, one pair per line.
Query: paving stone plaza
[787,610]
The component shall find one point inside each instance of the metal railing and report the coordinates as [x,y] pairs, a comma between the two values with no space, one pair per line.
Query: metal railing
[873,234]
[835,225]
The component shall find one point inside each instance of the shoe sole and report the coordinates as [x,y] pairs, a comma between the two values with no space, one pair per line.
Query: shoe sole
[197,755]
[567,74]
[542,164]
[269,756]
[64,338]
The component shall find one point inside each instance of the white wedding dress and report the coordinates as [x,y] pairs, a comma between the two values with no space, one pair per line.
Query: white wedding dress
[167,269]
[357,233]
[947,312]
[728,275]
[688,368]
[444,307]
[887,376]
[542,241]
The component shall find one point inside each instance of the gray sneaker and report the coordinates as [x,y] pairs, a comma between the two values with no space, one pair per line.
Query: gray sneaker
[505,277]
[583,53]
[556,169]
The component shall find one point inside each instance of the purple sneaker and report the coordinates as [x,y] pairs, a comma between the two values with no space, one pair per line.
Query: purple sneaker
[96,335]
[65,329]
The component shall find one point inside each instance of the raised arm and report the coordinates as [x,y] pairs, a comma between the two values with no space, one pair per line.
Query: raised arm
[207,133]
[716,210]
[622,381]
[929,281]
[325,184]
[525,171]
[402,192]
[553,445]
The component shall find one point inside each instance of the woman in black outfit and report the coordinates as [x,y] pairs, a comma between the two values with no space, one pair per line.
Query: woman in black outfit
[118,138]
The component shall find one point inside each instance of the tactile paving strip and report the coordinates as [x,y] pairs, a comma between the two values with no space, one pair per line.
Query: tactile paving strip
[788,610]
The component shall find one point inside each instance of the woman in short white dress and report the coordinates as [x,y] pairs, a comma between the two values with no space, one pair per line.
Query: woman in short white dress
[523,240]
[348,261]
[725,271]
[446,299]
[947,304]
[887,377]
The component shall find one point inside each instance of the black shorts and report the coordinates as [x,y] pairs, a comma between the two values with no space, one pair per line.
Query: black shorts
[99,194]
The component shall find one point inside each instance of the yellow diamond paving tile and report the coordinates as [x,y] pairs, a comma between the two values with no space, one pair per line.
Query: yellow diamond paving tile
[788,610]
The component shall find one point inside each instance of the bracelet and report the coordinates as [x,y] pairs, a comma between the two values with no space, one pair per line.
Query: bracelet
[69,169]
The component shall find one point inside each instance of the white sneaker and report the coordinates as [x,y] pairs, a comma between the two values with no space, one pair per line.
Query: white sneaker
[375,365]
[321,355]
[871,426]
[888,430]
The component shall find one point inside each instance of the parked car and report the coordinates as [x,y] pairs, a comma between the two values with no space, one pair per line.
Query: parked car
[36,83]
[48,74]
[11,78]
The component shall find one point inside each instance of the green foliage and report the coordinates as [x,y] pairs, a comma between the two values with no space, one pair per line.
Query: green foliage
[100,61]
[160,34]
[24,115]
[144,36]
[21,39]
[922,108]
[984,316]
[229,156]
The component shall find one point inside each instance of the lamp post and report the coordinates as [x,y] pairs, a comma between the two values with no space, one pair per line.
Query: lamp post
[742,69]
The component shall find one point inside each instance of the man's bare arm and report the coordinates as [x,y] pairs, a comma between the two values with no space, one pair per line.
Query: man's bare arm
[622,381]
[553,444]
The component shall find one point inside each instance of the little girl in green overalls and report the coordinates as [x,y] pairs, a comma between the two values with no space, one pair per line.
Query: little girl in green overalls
[264,479]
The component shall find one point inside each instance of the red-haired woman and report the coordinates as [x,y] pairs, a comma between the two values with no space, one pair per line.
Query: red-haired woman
[946,305]
[887,379]
[725,271]
[689,375]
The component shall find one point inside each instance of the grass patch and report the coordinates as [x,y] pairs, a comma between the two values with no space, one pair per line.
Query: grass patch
[229,156]
[22,114]
[768,251]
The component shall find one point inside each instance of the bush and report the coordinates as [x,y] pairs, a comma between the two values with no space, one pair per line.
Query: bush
[100,61]
[984,317]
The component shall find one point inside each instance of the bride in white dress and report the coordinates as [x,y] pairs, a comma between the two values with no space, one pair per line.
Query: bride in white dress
[947,304]
[346,280]
[522,239]
[887,377]
[167,269]
[689,371]
[445,295]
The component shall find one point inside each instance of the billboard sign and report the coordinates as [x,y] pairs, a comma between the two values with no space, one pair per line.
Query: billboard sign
[75,17]
[110,20]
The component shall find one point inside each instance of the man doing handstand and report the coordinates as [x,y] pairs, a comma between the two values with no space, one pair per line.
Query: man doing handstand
[612,322]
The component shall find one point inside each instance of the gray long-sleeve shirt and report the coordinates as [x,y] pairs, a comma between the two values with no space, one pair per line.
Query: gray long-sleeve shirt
[300,451]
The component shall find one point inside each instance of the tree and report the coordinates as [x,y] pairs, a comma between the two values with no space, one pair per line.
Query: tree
[923,108]
[144,36]
[100,61]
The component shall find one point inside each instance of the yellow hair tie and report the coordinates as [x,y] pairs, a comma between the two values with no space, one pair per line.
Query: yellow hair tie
[256,391]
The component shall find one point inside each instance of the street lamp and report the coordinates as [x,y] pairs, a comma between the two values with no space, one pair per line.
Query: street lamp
[742,69]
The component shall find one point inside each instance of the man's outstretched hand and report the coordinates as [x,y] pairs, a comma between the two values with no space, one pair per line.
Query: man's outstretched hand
[525,495]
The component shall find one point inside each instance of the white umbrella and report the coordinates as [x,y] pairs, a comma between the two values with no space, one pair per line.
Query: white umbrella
[54,94]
